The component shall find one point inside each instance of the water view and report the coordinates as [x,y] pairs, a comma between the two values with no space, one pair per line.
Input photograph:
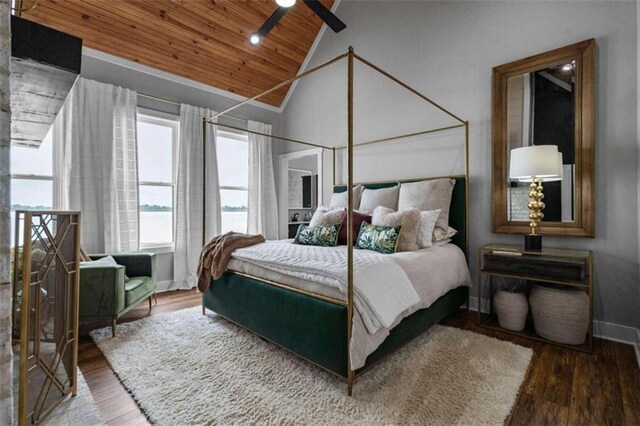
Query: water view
[157,226]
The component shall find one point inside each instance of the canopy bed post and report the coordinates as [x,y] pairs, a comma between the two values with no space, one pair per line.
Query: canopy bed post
[350,372]
[204,182]
[333,150]
[466,187]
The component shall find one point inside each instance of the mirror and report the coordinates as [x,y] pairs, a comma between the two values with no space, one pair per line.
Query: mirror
[300,188]
[547,99]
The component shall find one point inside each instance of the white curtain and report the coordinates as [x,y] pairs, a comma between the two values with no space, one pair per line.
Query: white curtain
[189,194]
[96,165]
[263,204]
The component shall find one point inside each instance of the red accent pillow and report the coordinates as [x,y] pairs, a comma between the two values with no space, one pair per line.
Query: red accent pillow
[358,218]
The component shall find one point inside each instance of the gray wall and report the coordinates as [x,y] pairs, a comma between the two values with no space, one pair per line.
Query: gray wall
[142,82]
[638,125]
[447,50]
[6,378]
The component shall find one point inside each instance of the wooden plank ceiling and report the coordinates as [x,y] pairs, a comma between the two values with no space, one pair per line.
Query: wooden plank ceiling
[203,40]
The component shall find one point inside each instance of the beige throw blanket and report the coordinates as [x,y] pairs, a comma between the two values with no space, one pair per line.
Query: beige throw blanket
[216,254]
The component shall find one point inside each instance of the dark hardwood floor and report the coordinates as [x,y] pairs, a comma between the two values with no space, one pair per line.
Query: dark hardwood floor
[563,387]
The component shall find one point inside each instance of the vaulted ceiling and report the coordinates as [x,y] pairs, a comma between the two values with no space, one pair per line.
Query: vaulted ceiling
[203,40]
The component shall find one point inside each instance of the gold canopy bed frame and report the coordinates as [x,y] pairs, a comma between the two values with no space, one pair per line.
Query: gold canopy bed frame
[350,56]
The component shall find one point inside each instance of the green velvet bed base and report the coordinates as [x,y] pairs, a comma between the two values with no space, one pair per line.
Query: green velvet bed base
[312,328]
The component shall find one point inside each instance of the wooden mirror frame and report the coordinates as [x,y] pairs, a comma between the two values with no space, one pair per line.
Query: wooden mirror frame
[584,191]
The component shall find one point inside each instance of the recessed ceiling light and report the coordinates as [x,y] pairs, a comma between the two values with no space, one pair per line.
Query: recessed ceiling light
[254,39]
[286,3]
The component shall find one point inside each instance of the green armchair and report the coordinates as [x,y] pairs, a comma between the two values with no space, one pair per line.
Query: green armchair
[104,293]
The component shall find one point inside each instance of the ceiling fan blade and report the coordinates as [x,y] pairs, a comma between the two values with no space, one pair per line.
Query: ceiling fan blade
[272,21]
[326,15]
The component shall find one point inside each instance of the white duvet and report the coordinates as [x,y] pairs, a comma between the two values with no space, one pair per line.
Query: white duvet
[382,289]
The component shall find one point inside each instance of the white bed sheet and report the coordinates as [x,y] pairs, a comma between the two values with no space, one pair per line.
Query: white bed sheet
[433,272]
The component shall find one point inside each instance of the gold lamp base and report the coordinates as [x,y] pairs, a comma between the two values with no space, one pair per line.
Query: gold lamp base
[533,241]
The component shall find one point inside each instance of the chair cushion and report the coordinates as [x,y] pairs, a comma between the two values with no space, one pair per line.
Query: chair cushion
[137,288]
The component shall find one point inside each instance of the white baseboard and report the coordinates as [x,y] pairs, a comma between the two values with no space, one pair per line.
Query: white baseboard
[637,346]
[615,332]
[601,329]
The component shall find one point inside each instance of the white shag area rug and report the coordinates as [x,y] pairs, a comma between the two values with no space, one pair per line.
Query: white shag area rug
[187,368]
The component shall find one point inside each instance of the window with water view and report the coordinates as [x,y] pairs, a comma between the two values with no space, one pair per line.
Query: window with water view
[157,138]
[233,172]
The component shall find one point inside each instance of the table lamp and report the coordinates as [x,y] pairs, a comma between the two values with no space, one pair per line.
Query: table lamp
[535,164]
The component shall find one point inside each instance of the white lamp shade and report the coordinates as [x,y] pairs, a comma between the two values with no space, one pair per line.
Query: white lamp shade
[560,171]
[540,161]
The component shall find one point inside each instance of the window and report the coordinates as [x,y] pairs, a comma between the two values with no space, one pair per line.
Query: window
[157,141]
[31,178]
[233,172]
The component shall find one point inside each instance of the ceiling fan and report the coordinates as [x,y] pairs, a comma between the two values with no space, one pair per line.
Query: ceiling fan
[283,5]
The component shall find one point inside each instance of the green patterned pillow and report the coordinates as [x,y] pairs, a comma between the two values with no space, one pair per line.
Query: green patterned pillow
[383,239]
[322,235]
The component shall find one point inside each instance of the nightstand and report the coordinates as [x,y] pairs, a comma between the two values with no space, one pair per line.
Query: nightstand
[562,269]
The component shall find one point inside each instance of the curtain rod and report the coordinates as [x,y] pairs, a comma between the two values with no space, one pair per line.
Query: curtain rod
[170,101]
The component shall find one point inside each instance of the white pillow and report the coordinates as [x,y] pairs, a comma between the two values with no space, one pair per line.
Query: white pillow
[103,261]
[408,219]
[324,216]
[385,197]
[425,230]
[440,235]
[339,199]
[428,195]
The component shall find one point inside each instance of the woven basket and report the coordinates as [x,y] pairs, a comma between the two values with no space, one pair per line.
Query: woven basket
[512,309]
[560,314]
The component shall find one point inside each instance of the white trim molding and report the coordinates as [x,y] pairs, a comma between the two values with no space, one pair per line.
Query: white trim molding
[637,345]
[96,54]
[602,330]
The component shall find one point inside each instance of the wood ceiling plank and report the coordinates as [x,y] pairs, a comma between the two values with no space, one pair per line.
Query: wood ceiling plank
[248,78]
[203,40]
[191,23]
[146,56]
[300,16]
[287,36]
[187,53]
[188,47]
[239,25]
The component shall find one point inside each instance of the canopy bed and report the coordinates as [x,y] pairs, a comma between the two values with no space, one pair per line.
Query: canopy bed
[316,322]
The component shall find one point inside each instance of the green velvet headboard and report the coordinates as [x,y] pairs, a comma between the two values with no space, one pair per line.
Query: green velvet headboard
[457,212]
